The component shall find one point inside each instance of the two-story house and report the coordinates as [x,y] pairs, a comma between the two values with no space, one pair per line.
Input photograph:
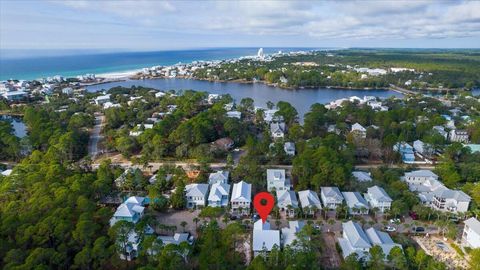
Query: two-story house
[357,205]
[241,199]
[378,198]
[277,180]
[309,201]
[471,233]
[331,197]
[196,195]
[218,195]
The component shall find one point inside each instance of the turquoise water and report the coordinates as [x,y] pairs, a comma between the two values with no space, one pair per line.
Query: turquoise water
[73,65]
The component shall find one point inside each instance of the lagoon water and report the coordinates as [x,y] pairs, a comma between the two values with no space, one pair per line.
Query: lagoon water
[19,128]
[301,99]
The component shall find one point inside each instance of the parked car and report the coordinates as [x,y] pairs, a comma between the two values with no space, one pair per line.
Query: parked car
[413,215]
[232,217]
[390,229]
[418,229]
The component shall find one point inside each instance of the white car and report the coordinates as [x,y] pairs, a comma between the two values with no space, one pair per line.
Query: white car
[390,229]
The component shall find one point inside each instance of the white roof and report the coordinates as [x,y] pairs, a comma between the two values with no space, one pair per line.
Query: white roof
[421,173]
[362,176]
[135,200]
[332,193]
[264,238]
[457,195]
[7,172]
[290,234]
[196,190]
[358,127]
[275,175]
[355,235]
[242,191]
[355,200]
[287,197]
[381,239]
[217,191]
[378,194]
[128,210]
[175,239]
[309,198]
[473,224]
[218,177]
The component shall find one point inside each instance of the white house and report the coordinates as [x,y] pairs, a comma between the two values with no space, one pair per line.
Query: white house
[382,239]
[286,198]
[131,210]
[378,198]
[440,130]
[357,205]
[423,149]
[309,201]
[277,180]
[159,94]
[418,177]
[176,239]
[362,176]
[456,135]
[196,195]
[277,130]
[264,239]
[218,177]
[354,240]
[234,114]
[471,233]
[241,198]
[289,235]
[289,148]
[359,130]
[218,195]
[100,100]
[269,116]
[448,200]
[331,197]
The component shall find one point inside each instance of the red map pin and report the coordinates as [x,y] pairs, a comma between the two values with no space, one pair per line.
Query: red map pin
[263,203]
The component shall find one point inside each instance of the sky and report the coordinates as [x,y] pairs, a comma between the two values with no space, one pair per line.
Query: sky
[166,25]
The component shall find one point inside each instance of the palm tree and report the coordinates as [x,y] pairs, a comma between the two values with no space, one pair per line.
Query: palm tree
[363,209]
[183,224]
[196,220]
[225,219]
[375,211]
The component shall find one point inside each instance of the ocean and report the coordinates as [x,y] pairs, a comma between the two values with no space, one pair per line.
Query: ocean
[29,68]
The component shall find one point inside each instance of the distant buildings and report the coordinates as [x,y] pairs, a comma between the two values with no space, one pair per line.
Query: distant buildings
[456,135]
[359,131]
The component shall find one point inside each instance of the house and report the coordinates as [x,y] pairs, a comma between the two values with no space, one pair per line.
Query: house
[67,91]
[433,193]
[15,95]
[382,239]
[289,235]
[289,148]
[277,130]
[277,180]
[196,195]
[362,176]
[423,149]
[264,239]
[234,114]
[448,200]
[241,199]
[100,100]
[357,205]
[331,197]
[440,130]
[354,240]
[309,201]
[359,131]
[159,94]
[378,198]
[471,233]
[218,195]
[131,210]
[129,174]
[218,177]
[406,152]
[287,201]
[176,239]
[419,177]
[269,116]
[456,135]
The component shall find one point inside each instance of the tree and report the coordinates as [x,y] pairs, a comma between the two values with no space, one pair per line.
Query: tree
[120,232]
[397,259]
[183,224]
[352,263]
[178,200]
[377,258]
[475,259]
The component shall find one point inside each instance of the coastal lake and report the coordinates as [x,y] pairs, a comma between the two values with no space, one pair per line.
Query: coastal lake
[301,99]
[19,127]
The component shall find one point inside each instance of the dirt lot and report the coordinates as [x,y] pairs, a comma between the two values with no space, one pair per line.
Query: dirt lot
[331,259]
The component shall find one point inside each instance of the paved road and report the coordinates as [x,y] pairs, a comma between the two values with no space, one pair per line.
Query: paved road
[95,136]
